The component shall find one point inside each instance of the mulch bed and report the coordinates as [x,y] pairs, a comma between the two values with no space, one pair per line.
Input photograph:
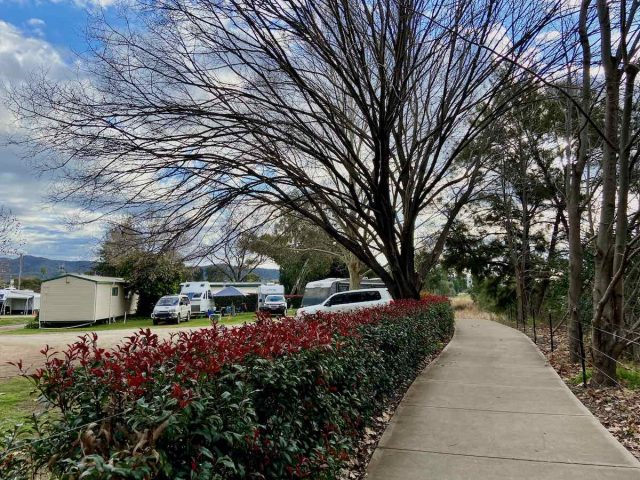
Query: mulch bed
[618,409]
[357,467]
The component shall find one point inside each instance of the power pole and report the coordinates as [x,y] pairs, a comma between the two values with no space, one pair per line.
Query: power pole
[20,271]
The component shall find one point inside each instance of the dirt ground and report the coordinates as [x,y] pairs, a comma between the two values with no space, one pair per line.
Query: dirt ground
[27,347]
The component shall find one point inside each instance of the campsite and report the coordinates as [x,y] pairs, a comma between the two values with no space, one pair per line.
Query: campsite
[319,239]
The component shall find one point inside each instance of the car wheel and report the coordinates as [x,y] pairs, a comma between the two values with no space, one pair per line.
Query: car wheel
[285,312]
[188,316]
[155,321]
[178,320]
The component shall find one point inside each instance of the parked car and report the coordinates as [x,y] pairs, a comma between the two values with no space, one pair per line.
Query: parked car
[172,308]
[275,304]
[349,301]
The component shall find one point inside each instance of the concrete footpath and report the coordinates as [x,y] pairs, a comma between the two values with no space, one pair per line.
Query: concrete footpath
[490,407]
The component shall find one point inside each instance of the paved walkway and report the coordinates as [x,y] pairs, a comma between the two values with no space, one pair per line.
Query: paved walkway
[491,408]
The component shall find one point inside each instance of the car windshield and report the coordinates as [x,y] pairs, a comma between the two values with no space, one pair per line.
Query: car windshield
[167,301]
[274,298]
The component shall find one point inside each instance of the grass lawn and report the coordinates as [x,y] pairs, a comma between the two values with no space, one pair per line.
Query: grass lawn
[15,319]
[17,401]
[629,376]
[139,322]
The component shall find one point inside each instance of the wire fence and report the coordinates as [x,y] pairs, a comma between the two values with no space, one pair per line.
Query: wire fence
[536,328]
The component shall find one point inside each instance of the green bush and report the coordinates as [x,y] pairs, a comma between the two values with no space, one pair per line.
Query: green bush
[272,400]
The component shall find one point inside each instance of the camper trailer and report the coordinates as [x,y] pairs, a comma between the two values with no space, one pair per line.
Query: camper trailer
[14,301]
[318,291]
[201,296]
[268,289]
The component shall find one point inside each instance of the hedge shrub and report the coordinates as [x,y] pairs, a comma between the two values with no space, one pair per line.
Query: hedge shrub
[268,400]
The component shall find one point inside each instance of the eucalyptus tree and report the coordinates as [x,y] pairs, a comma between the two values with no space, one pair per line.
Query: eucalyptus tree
[610,38]
[329,109]
[515,205]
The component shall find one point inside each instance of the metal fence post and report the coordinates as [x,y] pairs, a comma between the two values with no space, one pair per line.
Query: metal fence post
[584,369]
[551,331]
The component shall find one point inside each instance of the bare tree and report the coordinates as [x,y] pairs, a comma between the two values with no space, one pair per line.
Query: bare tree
[10,241]
[235,260]
[194,106]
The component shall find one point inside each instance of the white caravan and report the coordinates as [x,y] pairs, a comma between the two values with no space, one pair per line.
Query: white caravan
[268,289]
[14,301]
[318,291]
[201,296]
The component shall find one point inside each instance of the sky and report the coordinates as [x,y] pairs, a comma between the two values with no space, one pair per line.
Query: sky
[36,35]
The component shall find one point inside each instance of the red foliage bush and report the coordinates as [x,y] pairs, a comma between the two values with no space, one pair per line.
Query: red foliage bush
[129,367]
[272,399]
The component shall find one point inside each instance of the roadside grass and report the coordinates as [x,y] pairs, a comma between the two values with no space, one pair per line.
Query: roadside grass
[464,307]
[135,323]
[15,319]
[17,401]
[629,377]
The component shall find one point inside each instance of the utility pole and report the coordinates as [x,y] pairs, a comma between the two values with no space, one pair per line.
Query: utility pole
[20,271]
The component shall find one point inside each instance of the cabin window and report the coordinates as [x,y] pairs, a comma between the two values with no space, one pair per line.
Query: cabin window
[115,291]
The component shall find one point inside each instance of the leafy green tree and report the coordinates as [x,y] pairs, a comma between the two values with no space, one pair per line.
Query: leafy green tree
[31,283]
[302,251]
[148,273]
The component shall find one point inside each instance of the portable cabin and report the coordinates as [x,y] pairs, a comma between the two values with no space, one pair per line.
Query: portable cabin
[73,298]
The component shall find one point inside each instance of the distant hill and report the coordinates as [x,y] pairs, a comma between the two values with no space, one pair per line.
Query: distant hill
[268,274]
[32,267]
[265,274]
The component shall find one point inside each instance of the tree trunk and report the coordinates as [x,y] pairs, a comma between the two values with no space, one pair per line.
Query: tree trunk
[604,373]
[405,281]
[521,303]
[575,170]
[354,266]
[544,286]
[575,266]
[606,315]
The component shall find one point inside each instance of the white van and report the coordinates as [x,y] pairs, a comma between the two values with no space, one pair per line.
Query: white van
[200,295]
[172,308]
[349,301]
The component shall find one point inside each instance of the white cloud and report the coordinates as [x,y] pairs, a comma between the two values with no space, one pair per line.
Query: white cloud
[36,26]
[45,226]
[20,56]
[36,22]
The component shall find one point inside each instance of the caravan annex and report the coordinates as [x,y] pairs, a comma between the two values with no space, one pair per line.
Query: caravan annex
[82,298]
[14,301]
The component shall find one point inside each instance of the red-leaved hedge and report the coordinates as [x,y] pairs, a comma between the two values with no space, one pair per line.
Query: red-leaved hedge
[270,399]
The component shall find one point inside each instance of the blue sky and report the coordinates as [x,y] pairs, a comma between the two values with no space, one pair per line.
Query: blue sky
[36,34]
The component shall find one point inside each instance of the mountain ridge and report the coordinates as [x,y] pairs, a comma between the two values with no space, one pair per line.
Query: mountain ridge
[32,266]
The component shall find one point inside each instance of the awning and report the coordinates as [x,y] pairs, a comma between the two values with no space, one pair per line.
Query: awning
[229,292]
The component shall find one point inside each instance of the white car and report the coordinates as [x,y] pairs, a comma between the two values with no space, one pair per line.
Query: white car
[172,308]
[275,304]
[349,301]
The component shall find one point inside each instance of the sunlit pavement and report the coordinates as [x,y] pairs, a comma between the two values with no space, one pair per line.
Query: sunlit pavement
[492,408]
